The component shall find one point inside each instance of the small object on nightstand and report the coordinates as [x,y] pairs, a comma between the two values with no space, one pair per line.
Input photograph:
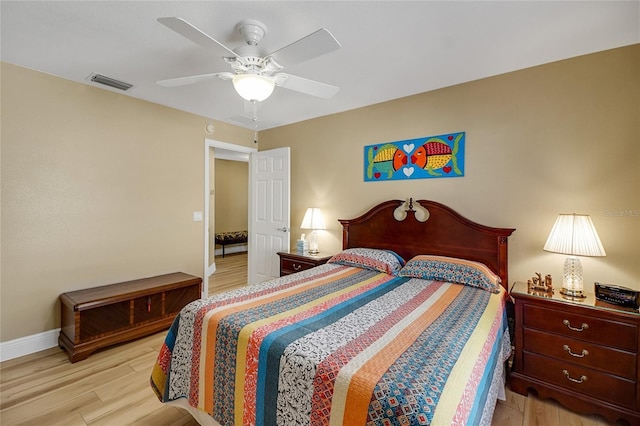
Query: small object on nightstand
[617,295]
[302,245]
[538,285]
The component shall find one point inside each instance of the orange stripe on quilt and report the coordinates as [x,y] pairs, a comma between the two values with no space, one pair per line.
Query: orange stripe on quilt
[356,382]
[252,336]
[210,326]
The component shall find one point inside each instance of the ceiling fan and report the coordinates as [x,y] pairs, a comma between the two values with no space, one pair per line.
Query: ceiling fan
[255,76]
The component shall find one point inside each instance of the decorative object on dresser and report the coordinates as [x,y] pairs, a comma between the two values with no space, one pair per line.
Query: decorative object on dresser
[97,317]
[582,353]
[290,263]
[538,284]
[313,220]
[575,235]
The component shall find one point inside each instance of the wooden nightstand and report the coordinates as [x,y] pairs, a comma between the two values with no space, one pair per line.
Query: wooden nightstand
[583,353]
[291,263]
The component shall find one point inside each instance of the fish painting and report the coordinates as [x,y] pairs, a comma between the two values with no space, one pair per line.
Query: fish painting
[428,157]
[436,154]
[387,159]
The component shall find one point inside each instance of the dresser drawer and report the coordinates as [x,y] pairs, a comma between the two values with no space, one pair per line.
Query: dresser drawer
[582,380]
[291,266]
[586,354]
[290,263]
[597,330]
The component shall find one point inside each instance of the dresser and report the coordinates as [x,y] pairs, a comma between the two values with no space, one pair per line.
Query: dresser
[291,263]
[581,352]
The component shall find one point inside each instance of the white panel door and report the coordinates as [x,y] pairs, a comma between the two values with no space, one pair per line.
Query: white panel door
[269,186]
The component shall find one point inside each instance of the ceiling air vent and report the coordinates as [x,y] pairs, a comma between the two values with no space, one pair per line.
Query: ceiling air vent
[111,82]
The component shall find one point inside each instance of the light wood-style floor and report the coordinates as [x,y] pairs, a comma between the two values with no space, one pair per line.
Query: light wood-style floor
[111,387]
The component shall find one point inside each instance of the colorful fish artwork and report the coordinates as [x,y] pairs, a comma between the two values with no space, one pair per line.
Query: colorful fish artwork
[429,157]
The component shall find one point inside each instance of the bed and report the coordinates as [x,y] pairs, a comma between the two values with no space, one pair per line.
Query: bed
[406,325]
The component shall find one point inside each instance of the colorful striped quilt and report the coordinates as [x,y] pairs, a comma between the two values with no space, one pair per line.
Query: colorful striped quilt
[337,345]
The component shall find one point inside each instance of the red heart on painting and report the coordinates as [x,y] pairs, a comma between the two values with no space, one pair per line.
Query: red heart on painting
[377,175]
[450,138]
[446,169]
[375,148]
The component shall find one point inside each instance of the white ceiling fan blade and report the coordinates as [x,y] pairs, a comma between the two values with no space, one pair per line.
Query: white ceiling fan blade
[315,44]
[304,85]
[183,81]
[187,30]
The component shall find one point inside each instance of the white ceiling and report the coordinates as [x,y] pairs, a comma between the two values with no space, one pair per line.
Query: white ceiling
[390,49]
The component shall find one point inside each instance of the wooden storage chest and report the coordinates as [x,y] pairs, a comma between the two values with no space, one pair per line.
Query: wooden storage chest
[97,317]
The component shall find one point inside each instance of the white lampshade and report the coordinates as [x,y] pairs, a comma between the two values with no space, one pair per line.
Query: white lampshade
[253,87]
[313,220]
[575,235]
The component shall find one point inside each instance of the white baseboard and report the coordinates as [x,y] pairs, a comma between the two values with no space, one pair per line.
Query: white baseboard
[237,248]
[28,344]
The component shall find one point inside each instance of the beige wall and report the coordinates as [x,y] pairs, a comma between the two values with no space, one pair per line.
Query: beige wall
[97,187]
[231,195]
[558,138]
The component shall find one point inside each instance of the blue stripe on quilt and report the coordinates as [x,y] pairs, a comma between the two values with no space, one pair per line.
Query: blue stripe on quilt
[274,345]
[484,385]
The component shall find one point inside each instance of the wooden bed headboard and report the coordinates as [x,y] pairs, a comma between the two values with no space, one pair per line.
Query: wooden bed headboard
[428,227]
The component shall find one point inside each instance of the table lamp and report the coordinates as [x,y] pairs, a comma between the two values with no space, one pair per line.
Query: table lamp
[313,220]
[575,235]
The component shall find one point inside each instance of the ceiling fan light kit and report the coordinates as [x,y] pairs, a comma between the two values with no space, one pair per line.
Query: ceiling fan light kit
[253,87]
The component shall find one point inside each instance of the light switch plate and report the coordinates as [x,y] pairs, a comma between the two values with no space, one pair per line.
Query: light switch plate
[197,216]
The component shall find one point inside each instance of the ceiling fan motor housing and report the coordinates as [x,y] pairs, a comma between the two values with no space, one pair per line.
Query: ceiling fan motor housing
[252,30]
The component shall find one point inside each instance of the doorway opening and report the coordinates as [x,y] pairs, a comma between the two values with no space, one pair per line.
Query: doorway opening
[224,151]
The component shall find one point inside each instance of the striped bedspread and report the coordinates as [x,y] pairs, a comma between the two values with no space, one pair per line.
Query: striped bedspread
[336,345]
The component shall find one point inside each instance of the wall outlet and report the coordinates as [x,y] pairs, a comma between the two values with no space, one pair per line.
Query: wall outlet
[197,216]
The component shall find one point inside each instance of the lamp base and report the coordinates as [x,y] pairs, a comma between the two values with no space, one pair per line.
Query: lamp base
[313,243]
[572,278]
[578,294]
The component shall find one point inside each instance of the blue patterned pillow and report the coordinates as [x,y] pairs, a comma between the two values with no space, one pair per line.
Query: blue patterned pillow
[452,270]
[385,261]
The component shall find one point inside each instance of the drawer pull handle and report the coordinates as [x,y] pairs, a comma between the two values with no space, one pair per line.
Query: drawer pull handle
[297,267]
[582,355]
[580,380]
[583,327]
